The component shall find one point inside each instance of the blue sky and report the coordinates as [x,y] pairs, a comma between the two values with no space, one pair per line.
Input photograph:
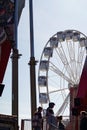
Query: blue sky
[50,17]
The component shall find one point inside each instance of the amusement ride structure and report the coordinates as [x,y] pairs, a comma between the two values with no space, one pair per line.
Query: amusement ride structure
[62,75]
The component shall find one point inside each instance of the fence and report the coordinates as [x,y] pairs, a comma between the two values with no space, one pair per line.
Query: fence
[26,124]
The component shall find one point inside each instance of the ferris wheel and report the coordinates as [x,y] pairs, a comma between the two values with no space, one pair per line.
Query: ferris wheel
[60,67]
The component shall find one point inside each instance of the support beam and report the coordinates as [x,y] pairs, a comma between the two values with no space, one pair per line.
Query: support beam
[32,64]
[15,56]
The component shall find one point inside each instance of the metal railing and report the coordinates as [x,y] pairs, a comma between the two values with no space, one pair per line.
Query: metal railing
[26,124]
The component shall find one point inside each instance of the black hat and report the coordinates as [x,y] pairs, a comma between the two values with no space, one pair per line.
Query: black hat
[59,117]
[40,108]
[51,104]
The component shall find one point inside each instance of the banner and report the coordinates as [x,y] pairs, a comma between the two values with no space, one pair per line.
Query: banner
[7,30]
[21,4]
[7,10]
[82,88]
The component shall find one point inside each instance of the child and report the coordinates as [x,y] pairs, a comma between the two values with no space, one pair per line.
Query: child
[60,123]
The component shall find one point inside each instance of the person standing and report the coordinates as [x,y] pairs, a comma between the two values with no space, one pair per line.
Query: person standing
[37,119]
[61,126]
[83,120]
[50,107]
[50,116]
[52,121]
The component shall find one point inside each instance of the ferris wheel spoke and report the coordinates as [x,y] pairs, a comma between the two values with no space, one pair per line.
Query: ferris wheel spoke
[57,90]
[63,106]
[81,53]
[71,51]
[53,68]
[62,55]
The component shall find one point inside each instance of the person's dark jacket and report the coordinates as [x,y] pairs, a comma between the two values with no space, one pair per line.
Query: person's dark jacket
[61,126]
[83,123]
[37,120]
